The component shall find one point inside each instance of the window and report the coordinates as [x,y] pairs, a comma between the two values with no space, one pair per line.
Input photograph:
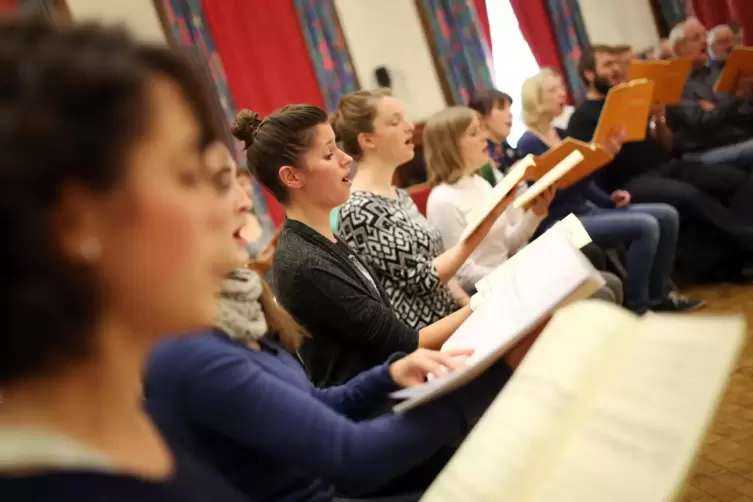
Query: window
[514,62]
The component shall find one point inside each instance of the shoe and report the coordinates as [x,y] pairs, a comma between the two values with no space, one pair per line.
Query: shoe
[675,302]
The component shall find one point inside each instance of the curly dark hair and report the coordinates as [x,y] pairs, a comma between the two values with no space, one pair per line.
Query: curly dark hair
[73,101]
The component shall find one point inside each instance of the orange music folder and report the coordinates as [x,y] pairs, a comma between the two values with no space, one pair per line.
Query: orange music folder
[669,77]
[739,63]
[594,157]
[628,106]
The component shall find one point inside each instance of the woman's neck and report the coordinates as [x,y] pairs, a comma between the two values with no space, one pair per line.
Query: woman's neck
[375,175]
[545,131]
[499,141]
[97,403]
[313,217]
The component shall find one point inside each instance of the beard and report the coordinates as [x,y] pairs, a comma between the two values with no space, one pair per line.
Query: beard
[601,84]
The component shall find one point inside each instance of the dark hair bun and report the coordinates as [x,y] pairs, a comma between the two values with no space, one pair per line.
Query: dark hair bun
[245,126]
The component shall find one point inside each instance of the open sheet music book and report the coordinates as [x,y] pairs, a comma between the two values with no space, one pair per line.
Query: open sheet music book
[549,179]
[739,63]
[510,182]
[545,274]
[572,228]
[605,407]
[627,105]
[669,77]
[594,157]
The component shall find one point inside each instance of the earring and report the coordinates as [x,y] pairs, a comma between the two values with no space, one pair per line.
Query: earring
[90,249]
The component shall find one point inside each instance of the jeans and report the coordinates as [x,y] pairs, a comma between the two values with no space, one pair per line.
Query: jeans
[651,232]
[737,154]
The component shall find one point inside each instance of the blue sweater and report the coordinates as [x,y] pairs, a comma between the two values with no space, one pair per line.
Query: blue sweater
[256,418]
[573,199]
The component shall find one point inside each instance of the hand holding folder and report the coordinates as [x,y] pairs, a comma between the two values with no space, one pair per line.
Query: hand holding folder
[499,199]
[669,77]
[594,156]
[628,106]
[739,65]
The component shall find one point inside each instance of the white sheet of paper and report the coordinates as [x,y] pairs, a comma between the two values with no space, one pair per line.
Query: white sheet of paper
[575,230]
[605,406]
[545,274]
[570,225]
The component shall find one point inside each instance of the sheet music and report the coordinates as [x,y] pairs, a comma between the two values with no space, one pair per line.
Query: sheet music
[605,407]
[545,274]
[573,230]
[639,435]
[576,232]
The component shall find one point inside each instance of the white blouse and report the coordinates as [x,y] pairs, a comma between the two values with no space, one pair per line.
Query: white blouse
[446,210]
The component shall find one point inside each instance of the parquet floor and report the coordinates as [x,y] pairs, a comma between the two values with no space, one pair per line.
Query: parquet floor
[724,470]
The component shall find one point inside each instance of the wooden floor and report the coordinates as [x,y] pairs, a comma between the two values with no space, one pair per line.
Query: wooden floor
[724,472]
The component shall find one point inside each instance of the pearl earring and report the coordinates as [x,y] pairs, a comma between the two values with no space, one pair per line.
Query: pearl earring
[90,249]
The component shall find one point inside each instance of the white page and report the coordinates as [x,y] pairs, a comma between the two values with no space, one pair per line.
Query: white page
[546,273]
[549,179]
[478,214]
[650,415]
[605,407]
[576,232]
[570,226]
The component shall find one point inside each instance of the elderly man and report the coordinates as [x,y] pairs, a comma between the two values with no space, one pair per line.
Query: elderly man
[721,41]
[710,127]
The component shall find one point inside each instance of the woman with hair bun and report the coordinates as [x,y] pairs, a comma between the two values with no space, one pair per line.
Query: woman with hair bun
[236,393]
[111,226]
[319,279]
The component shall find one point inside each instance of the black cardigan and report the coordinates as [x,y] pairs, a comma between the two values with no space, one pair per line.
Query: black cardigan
[351,322]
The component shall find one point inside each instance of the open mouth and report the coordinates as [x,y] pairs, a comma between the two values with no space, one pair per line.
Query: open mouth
[238,237]
[409,141]
[346,179]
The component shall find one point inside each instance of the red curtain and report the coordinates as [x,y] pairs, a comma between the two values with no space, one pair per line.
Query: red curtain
[537,29]
[714,12]
[265,58]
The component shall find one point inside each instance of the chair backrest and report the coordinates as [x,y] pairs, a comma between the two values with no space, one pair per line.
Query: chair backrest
[420,195]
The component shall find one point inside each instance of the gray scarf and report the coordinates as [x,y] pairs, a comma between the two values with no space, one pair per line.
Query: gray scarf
[241,315]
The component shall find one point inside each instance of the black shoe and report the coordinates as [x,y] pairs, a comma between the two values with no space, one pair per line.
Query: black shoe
[675,302]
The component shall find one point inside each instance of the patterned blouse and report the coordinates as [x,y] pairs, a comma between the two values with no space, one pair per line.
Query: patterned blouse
[399,244]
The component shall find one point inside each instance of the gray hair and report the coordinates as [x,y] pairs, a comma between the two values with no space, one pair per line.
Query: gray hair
[713,32]
[677,36]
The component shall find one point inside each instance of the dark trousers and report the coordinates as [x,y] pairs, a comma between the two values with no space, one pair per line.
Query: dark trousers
[717,195]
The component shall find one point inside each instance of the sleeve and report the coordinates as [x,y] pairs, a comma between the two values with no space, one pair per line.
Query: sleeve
[363,393]
[689,115]
[224,393]
[449,220]
[520,225]
[352,316]
[387,249]
[598,196]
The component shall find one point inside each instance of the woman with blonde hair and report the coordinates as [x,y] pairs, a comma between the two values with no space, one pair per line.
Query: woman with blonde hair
[237,396]
[650,229]
[455,149]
